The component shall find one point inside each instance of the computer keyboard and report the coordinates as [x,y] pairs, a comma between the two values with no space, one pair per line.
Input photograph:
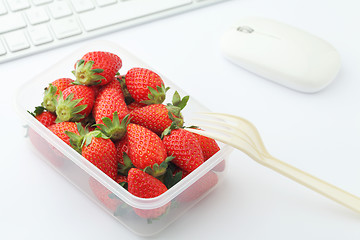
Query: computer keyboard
[31,26]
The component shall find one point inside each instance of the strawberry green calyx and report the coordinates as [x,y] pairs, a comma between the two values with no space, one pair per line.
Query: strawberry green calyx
[175,108]
[38,110]
[90,135]
[157,170]
[114,129]
[156,96]
[66,109]
[49,99]
[123,169]
[76,141]
[85,75]
[178,101]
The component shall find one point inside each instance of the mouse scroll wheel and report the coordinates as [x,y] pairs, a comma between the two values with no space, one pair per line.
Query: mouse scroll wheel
[245,29]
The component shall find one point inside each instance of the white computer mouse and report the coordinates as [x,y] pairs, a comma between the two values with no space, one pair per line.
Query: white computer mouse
[282,53]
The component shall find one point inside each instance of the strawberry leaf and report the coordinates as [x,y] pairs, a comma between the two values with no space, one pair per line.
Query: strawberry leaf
[123,169]
[170,179]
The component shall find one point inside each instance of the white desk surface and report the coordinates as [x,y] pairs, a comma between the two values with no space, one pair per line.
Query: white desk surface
[318,133]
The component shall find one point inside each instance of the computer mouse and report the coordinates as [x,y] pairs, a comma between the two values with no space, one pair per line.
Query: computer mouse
[282,53]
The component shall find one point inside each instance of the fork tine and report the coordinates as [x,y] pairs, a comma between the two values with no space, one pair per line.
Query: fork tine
[239,124]
[222,138]
[226,129]
[238,143]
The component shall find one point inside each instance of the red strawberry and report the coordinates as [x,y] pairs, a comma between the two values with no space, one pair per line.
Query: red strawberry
[62,83]
[199,188]
[115,83]
[108,101]
[144,185]
[145,147]
[50,153]
[136,105]
[104,195]
[110,112]
[145,86]
[59,130]
[75,103]
[101,152]
[185,149]
[97,68]
[44,117]
[154,117]
[121,148]
[208,146]
[51,92]
[158,117]
[121,178]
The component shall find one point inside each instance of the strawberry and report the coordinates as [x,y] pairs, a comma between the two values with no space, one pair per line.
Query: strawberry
[75,103]
[158,117]
[115,83]
[145,86]
[101,152]
[59,130]
[121,179]
[104,195]
[62,83]
[44,117]
[108,101]
[208,146]
[144,185]
[50,153]
[154,117]
[111,113]
[121,148]
[185,149]
[199,188]
[52,91]
[136,105]
[145,147]
[97,68]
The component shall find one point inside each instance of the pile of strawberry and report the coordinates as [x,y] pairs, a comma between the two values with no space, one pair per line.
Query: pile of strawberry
[121,125]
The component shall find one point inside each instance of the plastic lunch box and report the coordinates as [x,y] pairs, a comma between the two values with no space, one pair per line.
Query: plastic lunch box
[113,198]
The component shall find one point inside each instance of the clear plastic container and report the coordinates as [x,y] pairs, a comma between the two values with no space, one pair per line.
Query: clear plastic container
[136,214]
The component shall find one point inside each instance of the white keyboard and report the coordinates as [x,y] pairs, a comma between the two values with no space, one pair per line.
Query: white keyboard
[31,26]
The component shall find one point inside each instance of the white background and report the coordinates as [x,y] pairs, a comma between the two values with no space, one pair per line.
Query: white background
[318,133]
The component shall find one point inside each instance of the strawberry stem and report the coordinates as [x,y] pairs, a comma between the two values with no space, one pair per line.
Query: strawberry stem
[67,109]
[85,75]
[114,129]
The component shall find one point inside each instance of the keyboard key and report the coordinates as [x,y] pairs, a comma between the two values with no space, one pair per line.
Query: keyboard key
[40,2]
[16,5]
[66,27]
[82,5]
[59,10]
[11,22]
[103,3]
[37,15]
[124,11]
[16,41]
[2,49]
[40,35]
[2,8]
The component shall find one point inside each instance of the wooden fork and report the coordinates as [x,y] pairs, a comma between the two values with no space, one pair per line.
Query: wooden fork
[243,135]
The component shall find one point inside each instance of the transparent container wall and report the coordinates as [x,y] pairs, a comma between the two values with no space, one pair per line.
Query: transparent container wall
[144,217]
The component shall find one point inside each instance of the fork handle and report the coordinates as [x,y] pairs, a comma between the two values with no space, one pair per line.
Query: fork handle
[332,192]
